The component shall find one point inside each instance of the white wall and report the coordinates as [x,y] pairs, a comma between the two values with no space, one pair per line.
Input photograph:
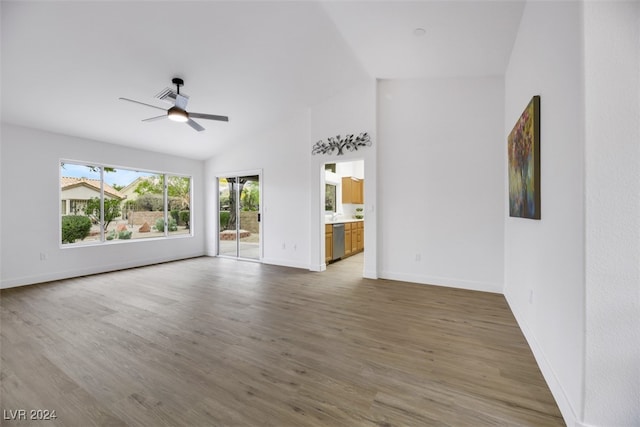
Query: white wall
[31,208]
[612,94]
[440,181]
[293,179]
[1,136]
[544,260]
[351,112]
[282,154]
[354,168]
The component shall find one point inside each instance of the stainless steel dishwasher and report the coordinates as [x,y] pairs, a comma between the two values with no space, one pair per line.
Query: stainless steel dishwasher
[338,241]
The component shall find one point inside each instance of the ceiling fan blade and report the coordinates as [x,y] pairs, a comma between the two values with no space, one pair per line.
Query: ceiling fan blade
[195,125]
[181,101]
[153,119]
[142,103]
[209,117]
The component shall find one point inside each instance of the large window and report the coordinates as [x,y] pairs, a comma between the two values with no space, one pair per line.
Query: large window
[106,204]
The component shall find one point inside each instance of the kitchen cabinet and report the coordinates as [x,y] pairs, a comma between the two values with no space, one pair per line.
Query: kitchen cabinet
[353,239]
[328,242]
[360,236]
[359,192]
[348,249]
[352,190]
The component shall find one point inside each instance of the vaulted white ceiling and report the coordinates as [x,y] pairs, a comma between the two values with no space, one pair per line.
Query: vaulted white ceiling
[65,64]
[429,38]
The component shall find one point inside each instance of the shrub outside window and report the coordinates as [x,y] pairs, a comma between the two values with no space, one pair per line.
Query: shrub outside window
[105,204]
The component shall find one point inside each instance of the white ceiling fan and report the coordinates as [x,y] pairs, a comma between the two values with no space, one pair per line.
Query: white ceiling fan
[178,112]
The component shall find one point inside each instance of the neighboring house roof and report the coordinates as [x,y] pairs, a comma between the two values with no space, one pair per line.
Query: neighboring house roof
[130,190]
[67,182]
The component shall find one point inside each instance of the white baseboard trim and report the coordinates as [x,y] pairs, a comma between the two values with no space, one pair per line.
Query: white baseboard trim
[285,263]
[317,267]
[68,274]
[370,274]
[443,281]
[566,409]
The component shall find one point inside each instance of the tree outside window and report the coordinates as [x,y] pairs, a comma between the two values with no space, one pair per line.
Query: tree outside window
[121,204]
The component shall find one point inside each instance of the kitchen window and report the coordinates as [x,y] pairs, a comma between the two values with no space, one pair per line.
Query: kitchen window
[330,198]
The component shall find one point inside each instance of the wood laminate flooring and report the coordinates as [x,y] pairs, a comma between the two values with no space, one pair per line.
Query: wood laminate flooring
[217,342]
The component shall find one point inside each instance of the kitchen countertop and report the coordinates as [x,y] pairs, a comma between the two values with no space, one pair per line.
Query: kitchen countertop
[343,220]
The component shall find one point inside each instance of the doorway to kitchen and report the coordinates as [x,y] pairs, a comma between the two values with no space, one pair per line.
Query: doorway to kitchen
[343,209]
[240,226]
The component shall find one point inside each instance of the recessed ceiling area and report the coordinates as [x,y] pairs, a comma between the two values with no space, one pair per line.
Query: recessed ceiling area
[65,64]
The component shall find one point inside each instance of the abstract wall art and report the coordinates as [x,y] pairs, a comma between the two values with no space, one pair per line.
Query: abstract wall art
[524,163]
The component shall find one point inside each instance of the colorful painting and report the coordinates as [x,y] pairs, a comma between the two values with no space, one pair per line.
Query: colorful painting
[524,163]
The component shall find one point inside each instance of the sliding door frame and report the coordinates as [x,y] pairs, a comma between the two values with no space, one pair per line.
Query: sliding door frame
[238,174]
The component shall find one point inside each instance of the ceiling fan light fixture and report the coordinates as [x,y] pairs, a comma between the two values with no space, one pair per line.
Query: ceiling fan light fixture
[177,114]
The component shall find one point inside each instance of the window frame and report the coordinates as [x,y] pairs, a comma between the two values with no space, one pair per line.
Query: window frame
[334,197]
[102,238]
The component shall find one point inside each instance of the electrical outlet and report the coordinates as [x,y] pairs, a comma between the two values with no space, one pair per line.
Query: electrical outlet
[43,256]
[284,245]
[418,257]
[530,296]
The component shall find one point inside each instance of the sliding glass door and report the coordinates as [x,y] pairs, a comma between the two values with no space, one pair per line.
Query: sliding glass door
[239,215]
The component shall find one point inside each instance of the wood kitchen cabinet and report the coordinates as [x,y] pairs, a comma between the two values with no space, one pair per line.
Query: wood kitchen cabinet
[348,238]
[358,196]
[328,242]
[352,190]
[360,236]
[354,237]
